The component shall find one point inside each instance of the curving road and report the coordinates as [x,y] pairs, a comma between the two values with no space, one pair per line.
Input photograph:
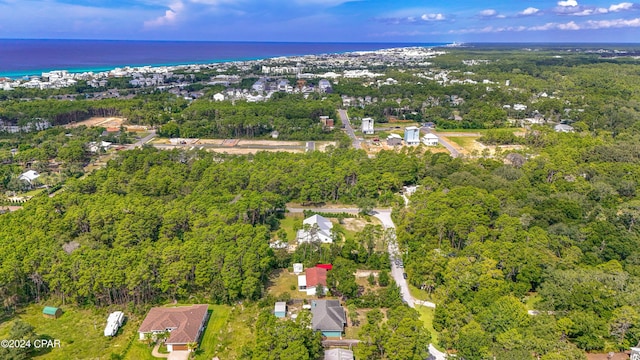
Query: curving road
[452,150]
[347,126]
[384,215]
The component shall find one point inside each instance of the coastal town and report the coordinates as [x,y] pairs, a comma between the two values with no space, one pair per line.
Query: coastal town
[405,203]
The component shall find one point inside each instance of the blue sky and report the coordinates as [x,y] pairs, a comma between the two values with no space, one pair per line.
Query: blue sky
[419,21]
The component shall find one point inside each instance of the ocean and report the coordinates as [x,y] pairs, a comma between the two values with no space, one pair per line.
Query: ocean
[20,58]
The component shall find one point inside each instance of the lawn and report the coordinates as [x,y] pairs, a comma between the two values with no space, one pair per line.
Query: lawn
[288,225]
[139,351]
[79,331]
[532,301]
[419,294]
[229,329]
[33,192]
[465,142]
[281,281]
[426,315]
[216,328]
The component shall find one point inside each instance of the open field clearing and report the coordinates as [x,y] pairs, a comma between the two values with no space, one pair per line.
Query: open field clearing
[107,122]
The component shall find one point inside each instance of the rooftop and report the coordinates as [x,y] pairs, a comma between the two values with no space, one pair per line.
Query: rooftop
[183,322]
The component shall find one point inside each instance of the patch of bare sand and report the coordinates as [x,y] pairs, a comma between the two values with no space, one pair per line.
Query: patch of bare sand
[244,151]
[107,122]
[274,143]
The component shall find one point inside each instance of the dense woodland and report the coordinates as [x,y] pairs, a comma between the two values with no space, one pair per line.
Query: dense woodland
[552,228]
[557,231]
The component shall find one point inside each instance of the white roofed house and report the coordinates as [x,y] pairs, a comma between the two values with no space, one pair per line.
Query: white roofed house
[316,228]
[367,125]
[430,139]
[29,176]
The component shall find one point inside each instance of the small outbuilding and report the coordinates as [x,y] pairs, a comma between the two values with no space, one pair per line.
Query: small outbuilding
[298,268]
[280,310]
[51,312]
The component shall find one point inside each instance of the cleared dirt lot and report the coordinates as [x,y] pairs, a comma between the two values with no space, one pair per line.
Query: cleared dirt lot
[107,122]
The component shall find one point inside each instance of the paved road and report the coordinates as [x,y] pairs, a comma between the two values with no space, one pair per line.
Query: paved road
[323,209]
[142,141]
[343,342]
[394,253]
[385,217]
[347,125]
[452,150]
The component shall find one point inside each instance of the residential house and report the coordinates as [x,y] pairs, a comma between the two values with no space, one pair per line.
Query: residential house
[311,279]
[51,312]
[394,139]
[338,354]
[280,309]
[328,317]
[29,176]
[325,86]
[326,121]
[316,228]
[114,321]
[218,97]
[563,128]
[94,147]
[184,324]
[411,136]
[367,125]
[430,139]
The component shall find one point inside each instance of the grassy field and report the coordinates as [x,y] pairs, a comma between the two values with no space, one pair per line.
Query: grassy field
[288,224]
[139,351]
[426,315]
[281,281]
[229,329]
[463,141]
[419,294]
[532,301]
[79,331]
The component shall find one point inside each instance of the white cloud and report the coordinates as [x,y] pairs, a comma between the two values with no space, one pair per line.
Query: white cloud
[488,13]
[621,7]
[569,26]
[432,17]
[615,23]
[168,18]
[529,11]
[568,3]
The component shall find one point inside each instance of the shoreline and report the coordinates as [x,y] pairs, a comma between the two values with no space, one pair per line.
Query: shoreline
[267,54]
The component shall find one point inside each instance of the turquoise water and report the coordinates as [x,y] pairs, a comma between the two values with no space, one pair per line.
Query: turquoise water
[20,58]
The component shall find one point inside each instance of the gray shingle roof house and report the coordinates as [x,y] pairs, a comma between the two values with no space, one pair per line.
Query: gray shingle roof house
[328,317]
[338,354]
